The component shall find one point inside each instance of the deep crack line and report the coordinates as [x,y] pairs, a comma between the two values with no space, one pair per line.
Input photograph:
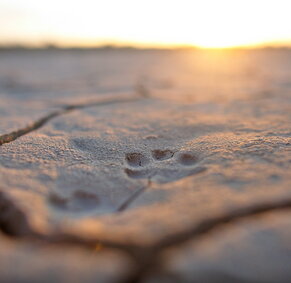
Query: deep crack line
[211,223]
[7,138]
[151,259]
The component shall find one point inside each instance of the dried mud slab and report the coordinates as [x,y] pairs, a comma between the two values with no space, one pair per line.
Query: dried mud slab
[79,170]
[135,174]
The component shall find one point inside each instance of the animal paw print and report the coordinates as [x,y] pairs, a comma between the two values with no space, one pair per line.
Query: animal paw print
[161,155]
[79,201]
[162,165]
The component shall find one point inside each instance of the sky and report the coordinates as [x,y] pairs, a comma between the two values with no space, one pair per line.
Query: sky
[202,23]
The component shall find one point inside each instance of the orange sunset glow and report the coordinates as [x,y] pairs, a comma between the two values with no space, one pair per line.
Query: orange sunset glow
[206,23]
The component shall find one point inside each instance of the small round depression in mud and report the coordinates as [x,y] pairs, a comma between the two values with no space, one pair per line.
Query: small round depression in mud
[78,201]
[136,159]
[187,158]
[161,155]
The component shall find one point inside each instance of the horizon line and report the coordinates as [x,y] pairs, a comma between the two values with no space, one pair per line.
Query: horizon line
[112,43]
[133,47]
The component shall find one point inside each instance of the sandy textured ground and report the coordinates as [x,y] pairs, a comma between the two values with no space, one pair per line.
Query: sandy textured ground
[145,166]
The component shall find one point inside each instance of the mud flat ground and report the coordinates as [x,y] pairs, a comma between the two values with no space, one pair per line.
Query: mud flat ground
[145,166]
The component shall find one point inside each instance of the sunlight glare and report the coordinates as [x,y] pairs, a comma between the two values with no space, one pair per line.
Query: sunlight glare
[203,23]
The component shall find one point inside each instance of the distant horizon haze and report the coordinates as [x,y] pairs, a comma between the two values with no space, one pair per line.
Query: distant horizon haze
[151,23]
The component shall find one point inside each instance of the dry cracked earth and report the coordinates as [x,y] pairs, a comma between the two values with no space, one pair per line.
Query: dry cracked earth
[145,166]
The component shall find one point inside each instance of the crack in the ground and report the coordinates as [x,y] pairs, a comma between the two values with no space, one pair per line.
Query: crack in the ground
[150,260]
[208,224]
[12,136]
[13,222]
[133,197]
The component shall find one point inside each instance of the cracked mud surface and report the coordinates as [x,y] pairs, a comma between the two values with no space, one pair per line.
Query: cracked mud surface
[174,186]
